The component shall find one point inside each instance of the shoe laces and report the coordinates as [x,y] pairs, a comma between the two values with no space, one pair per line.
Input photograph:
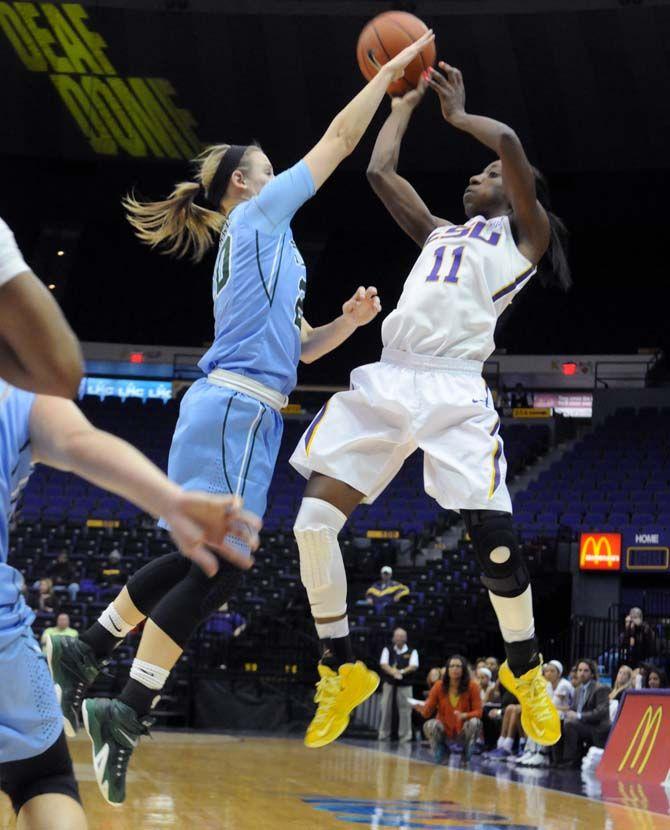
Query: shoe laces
[536,693]
[122,758]
[124,752]
[78,693]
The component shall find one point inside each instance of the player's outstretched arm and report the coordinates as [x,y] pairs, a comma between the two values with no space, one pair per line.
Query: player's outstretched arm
[363,307]
[199,522]
[348,126]
[518,177]
[397,194]
[38,349]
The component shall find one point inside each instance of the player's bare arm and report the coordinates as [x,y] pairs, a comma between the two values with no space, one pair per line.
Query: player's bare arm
[359,310]
[348,126]
[396,193]
[530,217]
[38,349]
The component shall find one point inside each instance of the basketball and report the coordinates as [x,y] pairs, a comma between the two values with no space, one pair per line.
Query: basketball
[383,38]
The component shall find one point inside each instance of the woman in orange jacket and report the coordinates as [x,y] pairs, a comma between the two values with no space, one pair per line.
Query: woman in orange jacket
[453,710]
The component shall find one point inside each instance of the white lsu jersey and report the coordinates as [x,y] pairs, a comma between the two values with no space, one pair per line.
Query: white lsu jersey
[464,278]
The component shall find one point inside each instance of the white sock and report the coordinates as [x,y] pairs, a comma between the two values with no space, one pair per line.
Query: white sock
[149,675]
[515,616]
[114,622]
[508,743]
[500,742]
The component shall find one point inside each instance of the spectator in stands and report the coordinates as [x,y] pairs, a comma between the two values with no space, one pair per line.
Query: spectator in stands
[385,590]
[229,624]
[655,679]
[46,601]
[63,575]
[493,664]
[587,722]
[111,571]
[486,685]
[509,713]
[637,642]
[622,683]
[397,663]
[453,710]
[61,629]
[562,690]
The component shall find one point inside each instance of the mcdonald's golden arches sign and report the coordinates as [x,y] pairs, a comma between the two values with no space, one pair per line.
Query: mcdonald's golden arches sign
[600,552]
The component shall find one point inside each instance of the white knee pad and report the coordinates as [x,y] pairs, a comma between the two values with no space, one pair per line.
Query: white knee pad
[321,567]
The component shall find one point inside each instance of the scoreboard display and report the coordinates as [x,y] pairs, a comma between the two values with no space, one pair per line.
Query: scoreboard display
[648,551]
[629,552]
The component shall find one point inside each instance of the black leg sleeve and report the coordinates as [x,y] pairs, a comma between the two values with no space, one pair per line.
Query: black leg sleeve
[152,582]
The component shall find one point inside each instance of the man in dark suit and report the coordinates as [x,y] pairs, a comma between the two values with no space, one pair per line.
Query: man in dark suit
[587,722]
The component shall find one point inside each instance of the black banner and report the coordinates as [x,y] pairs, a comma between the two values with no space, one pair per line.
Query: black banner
[222,703]
[585,90]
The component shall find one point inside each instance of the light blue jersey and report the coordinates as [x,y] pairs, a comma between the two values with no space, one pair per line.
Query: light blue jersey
[15,469]
[30,717]
[259,286]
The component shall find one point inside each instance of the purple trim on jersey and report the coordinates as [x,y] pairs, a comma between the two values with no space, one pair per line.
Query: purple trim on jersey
[496,457]
[315,423]
[496,465]
[514,284]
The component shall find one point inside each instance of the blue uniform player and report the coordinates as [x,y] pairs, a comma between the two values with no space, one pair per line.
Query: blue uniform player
[229,429]
[35,767]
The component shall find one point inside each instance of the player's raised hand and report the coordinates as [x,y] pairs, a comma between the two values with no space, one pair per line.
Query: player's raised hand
[200,522]
[412,98]
[363,307]
[397,65]
[450,89]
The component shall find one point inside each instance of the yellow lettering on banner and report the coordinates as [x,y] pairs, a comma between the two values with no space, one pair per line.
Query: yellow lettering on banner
[44,37]
[80,58]
[95,42]
[152,106]
[86,116]
[23,42]
[154,135]
[114,116]
[163,90]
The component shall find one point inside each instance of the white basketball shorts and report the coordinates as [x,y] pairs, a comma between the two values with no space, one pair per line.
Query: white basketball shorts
[404,403]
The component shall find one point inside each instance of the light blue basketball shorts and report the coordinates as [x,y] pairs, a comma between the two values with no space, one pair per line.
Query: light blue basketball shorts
[225,442]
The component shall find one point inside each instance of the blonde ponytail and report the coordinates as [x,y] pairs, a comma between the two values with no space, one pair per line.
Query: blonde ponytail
[178,225]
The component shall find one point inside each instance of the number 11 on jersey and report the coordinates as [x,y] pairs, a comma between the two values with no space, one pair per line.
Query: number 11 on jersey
[452,276]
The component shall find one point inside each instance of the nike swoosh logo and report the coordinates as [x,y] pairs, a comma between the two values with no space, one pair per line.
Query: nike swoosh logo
[132,741]
[100,759]
[116,628]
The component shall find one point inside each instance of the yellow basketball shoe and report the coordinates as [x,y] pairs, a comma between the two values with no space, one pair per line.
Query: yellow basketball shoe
[337,695]
[539,717]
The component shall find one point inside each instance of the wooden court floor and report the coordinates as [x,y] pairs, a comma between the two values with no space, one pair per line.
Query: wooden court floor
[212,782]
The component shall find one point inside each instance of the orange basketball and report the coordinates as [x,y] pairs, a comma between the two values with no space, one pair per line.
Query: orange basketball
[383,38]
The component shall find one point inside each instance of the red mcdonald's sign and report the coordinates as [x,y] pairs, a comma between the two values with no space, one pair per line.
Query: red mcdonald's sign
[600,552]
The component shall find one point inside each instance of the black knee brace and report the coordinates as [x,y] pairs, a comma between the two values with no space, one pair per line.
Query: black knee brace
[49,772]
[491,529]
[153,581]
[193,599]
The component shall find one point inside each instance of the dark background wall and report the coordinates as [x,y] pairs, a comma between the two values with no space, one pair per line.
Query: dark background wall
[586,91]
